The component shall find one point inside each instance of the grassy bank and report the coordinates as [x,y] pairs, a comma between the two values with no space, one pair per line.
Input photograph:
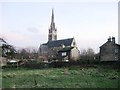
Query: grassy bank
[69,77]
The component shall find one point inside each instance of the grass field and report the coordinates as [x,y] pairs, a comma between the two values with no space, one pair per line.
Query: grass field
[69,77]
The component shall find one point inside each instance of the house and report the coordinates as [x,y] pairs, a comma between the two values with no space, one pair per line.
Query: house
[68,53]
[110,51]
[64,49]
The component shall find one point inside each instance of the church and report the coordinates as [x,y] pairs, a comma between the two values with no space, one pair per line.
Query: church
[58,50]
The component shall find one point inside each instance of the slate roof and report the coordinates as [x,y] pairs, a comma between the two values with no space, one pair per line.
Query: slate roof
[58,43]
[109,43]
[66,49]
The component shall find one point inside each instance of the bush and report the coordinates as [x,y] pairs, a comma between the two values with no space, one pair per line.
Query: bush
[91,62]
[58,64]
[34,65]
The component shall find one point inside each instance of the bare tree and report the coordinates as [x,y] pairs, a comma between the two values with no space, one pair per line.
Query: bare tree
[83,54]
[87,54]
[27,53]
[32,51]
[90,51]
[90,54]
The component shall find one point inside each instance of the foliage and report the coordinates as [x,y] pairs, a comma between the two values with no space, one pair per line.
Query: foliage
[87,54]
[27,53]
[69,77]
[7,50]
[33,64]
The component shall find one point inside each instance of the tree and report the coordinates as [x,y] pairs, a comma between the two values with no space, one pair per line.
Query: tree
[27,53]
[32,51]
[87,55]
[90,53]
[7,50]
[83,54]
[24,54]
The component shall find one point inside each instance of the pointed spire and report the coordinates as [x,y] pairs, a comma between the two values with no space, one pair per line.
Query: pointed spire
[52,30]
[52,20]
[52,15]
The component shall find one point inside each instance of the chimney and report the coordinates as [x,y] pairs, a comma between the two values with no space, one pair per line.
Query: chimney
[109,39]
[113,39]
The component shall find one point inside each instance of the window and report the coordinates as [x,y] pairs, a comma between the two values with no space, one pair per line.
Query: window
[64,54]
[50,31]
[50,37]
[116,58]
[116,51]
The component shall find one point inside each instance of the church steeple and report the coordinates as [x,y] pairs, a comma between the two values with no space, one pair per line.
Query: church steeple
[52,31]
[52,20]
[52,16]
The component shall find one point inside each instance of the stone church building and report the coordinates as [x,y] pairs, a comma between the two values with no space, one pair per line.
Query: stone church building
[64,49]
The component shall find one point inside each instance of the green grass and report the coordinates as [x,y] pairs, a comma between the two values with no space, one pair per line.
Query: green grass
[70,77]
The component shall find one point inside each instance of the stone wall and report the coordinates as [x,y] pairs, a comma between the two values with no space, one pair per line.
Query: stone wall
[109,52]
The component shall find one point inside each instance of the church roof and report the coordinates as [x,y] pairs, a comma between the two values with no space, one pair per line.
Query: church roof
[58,43]
[66,49]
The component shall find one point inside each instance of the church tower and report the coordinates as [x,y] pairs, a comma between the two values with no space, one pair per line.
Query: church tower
[52,30]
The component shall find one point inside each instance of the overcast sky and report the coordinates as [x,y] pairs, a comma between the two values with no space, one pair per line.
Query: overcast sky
[26,24]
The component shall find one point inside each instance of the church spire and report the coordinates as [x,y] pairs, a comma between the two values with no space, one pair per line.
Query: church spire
[52,20]
[52,16]
[52,31]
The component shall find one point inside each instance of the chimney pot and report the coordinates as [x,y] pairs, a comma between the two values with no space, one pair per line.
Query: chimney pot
[113,39]
[109,39]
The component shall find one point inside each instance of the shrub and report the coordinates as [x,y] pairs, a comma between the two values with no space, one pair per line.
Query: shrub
[34,65]
[58,64]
